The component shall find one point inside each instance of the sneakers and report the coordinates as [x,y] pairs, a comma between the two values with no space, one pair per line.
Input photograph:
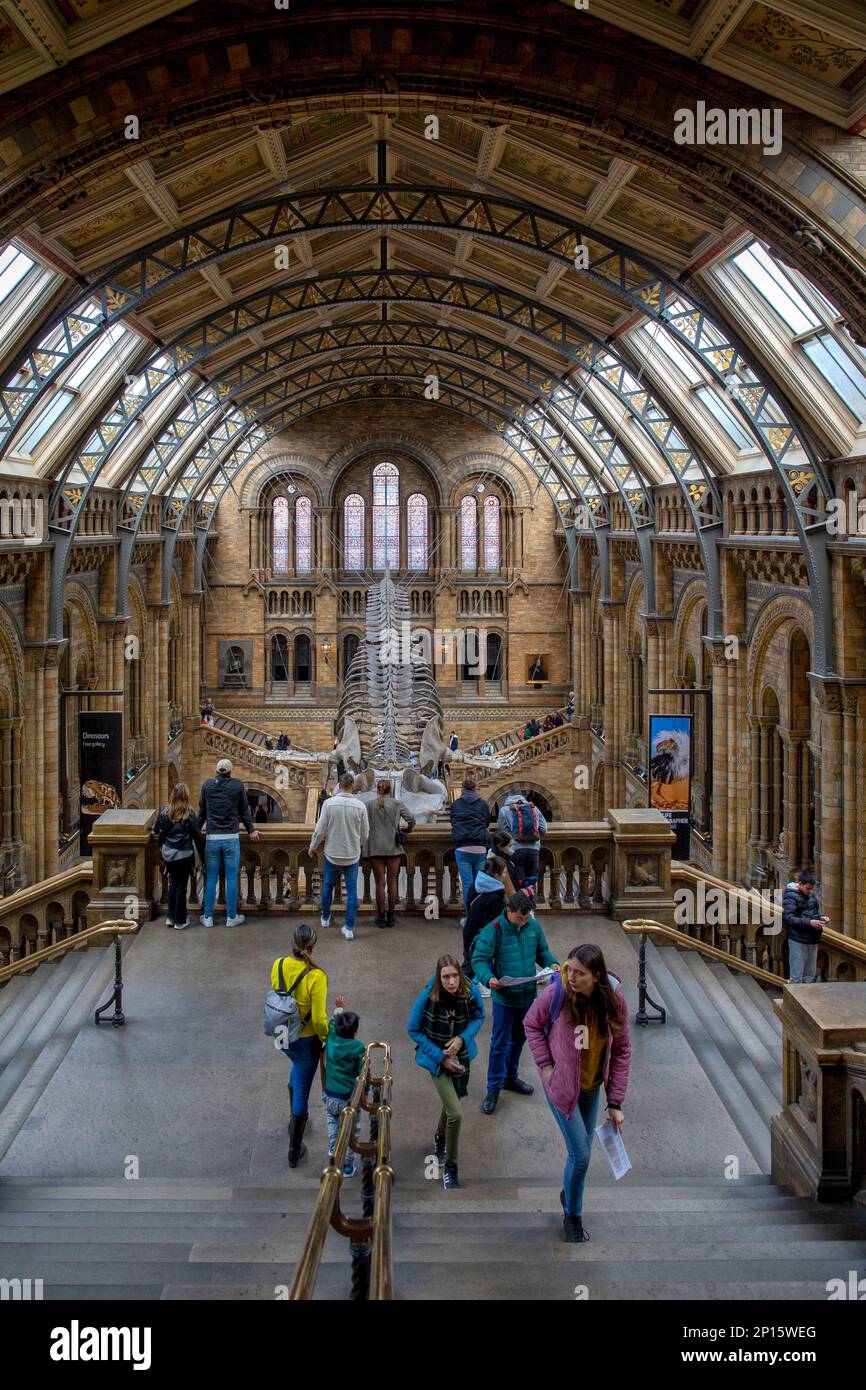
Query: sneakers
[521,1087]
[449,1177]
[463,921]
[347,933]
[380,922]
[235,921]
[325,921]
[180,926]
[490,1102]
[439,1148]
[348,1169]
[206,921]
[169,922]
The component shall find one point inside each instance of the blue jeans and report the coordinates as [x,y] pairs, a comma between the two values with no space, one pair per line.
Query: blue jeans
[467,867]
[330,875]
[228,853]
[304,1056]
[802,962]
[506,1044]
[578,1134]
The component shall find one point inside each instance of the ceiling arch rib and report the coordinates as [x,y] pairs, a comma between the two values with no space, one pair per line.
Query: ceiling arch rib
[611,265]
[167,364]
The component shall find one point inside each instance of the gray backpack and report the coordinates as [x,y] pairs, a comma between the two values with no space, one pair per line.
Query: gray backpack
[281,1008]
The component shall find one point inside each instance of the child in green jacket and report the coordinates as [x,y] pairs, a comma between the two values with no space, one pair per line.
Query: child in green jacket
[344,1060]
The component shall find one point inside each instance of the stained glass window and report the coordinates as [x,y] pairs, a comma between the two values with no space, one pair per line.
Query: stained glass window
[468,533]
[303,534]
[280,513]
[386,517]
[353,532]
[491,533]
[416,526]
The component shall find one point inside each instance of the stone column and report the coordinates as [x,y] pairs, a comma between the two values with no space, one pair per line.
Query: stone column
[719,677]
[754,763]
[615,697]
[765,727]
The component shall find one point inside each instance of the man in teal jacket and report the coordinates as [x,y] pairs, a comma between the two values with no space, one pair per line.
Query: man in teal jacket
[511,947]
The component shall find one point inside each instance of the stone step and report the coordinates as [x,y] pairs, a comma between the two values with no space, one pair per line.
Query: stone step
[764,998]
[758,1016]
[667,974]
[732,1006]
[46,978]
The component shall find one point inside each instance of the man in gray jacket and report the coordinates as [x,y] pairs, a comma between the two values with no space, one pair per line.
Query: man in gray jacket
[524,822]
[342,827]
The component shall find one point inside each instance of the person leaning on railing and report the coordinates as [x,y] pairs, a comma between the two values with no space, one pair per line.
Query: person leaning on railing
[311,995]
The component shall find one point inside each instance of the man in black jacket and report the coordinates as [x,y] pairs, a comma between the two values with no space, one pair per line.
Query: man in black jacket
[222,805]
[802,920]
[470,818]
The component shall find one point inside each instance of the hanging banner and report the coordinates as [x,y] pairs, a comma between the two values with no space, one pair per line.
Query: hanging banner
[670,779]
[100,767]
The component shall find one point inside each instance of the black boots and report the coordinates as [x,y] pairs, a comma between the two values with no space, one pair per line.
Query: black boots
[439,1148]
[490,1102]
[449,1177]
[389,920]
[521,1087]
[572,1230]
[297,1148]
[379,920]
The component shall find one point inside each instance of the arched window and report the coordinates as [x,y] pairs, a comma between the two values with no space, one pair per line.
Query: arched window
[280,526]
[386,517]
[303,535]
[417,531]
[353,532]
[303,660]
[491,533]
[493,667]
[279,658]
[468,534]
[351,642]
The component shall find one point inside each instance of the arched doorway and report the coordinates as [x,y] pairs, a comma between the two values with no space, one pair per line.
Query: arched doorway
[303,660]
[279,659]
[351,643]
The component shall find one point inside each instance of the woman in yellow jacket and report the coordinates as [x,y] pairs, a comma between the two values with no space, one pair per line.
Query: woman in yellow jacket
[311,995]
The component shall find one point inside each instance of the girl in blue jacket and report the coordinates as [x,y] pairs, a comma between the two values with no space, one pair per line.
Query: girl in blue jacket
[443,1023]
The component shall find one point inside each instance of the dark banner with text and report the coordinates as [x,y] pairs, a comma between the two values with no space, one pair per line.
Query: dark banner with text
[100,767]
[670,738]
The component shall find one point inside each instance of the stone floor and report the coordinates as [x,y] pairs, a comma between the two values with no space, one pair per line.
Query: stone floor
[192,1087]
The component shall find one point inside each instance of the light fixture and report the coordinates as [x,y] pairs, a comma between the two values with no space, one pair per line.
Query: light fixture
[479,487]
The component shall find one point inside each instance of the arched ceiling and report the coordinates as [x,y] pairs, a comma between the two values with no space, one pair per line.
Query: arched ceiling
[307,129]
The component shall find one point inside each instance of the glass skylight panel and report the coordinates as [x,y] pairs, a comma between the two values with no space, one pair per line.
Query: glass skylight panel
[776,286]
[92,359]
[649,335]
[14,265]
[834,364]
[47,417]
[726,417]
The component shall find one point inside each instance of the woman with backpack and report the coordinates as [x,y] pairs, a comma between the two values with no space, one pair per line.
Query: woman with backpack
[578,1033]
[384,848]
[443,1023]
[179,835]
[298,975]
[486,901]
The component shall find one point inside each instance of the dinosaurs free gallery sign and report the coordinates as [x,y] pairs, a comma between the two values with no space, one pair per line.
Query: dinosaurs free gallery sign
[100,765]
[670,737]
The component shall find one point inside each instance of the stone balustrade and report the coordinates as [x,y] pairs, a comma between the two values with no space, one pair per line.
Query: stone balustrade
[819,1138]
[45,913]
[749,926]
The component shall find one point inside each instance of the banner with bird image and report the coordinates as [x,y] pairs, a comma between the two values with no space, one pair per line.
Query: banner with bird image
[670,739]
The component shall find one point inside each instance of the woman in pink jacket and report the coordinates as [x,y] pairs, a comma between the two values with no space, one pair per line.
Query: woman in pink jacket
[577,1030]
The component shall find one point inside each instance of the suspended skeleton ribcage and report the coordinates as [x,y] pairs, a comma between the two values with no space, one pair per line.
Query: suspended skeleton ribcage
[387,693]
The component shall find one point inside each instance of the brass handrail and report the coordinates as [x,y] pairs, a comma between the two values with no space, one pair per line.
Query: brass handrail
[643,926]
[370,1235]
[121,926]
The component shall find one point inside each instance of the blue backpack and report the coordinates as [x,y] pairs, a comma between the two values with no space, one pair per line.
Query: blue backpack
[556,1004]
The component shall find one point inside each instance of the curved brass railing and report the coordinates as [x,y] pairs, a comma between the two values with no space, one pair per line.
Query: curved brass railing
[121,926]
[370,1234]
[644,926]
